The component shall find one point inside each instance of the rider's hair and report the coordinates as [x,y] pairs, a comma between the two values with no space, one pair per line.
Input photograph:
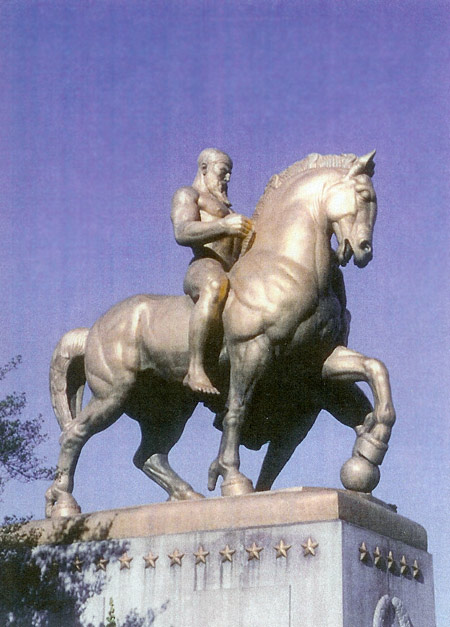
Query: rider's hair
[210,155]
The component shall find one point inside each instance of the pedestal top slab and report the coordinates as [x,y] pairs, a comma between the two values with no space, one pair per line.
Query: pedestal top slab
[278,507]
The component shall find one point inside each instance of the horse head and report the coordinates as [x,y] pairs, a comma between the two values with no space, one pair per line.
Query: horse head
[351,206]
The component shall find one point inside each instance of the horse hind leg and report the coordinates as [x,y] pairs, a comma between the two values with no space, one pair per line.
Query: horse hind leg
[157,467]
[282,447]
[95,417]
[159,434]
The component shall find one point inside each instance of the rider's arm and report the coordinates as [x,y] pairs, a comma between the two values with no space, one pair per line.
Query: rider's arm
[187,225]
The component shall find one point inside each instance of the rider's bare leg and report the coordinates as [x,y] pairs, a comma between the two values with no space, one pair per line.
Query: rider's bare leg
[205,315]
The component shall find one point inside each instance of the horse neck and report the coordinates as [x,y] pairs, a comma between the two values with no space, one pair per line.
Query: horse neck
[294,225]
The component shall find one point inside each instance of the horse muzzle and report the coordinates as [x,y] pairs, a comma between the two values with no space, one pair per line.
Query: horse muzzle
[344,252]
[363,253]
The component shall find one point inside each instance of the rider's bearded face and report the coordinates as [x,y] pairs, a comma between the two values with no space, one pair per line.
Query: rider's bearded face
[216,180]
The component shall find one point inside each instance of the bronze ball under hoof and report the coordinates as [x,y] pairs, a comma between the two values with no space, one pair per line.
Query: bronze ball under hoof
[359,475]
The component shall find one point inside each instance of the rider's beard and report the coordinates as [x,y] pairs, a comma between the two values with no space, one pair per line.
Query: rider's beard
[222,194]
[219,190]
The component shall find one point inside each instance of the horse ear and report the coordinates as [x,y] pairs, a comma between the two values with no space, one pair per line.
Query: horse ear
[364,165]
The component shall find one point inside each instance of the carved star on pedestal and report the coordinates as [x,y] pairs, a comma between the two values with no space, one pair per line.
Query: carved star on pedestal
[227,554]
[201,555]
[377,557]
[391,562]
[175,557]
[254,551]
[416,570]
[309,547]
[363,553]
[282,549]
[150,560]
[78,564]
[404,568]
[101,564]
[125,561]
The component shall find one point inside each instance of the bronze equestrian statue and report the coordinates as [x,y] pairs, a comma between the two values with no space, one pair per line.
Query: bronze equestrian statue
[277,359]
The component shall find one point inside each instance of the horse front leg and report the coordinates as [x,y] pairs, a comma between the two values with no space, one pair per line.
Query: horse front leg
[361,472]
[345,401]
[248,361]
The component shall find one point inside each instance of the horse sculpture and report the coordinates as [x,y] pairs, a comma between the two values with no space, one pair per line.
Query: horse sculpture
[283,357]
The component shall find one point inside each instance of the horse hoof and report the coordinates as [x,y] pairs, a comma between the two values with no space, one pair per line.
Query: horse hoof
[65,506]
[359,475]
[192,495]
[237,486]
[187,495]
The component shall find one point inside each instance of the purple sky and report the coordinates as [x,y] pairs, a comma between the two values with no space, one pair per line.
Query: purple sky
[104,108]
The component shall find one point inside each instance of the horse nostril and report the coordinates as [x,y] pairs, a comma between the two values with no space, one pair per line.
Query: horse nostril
[366,246]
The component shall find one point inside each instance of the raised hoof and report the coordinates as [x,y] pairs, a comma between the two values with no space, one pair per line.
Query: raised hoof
[359,475]
[65,507]
[237,486]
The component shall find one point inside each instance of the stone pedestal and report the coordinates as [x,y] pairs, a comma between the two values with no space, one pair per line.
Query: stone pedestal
[299,557]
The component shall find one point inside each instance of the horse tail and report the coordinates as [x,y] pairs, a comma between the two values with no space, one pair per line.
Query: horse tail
[67,376]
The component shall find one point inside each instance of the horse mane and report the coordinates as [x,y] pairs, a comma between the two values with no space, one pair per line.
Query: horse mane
[313,161]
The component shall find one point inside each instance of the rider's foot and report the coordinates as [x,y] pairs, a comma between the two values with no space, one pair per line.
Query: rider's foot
[199,382]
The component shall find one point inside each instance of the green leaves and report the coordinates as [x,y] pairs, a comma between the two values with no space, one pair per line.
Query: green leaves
[19,437]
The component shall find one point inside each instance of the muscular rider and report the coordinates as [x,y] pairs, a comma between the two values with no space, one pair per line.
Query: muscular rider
[202,219]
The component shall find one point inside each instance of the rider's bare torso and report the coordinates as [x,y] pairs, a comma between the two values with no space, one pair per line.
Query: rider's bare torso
[226,249]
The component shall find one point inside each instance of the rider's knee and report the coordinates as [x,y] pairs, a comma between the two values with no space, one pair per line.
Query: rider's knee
[217,288]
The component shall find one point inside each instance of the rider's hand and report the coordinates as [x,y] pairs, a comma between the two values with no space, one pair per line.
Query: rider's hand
[238,225]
